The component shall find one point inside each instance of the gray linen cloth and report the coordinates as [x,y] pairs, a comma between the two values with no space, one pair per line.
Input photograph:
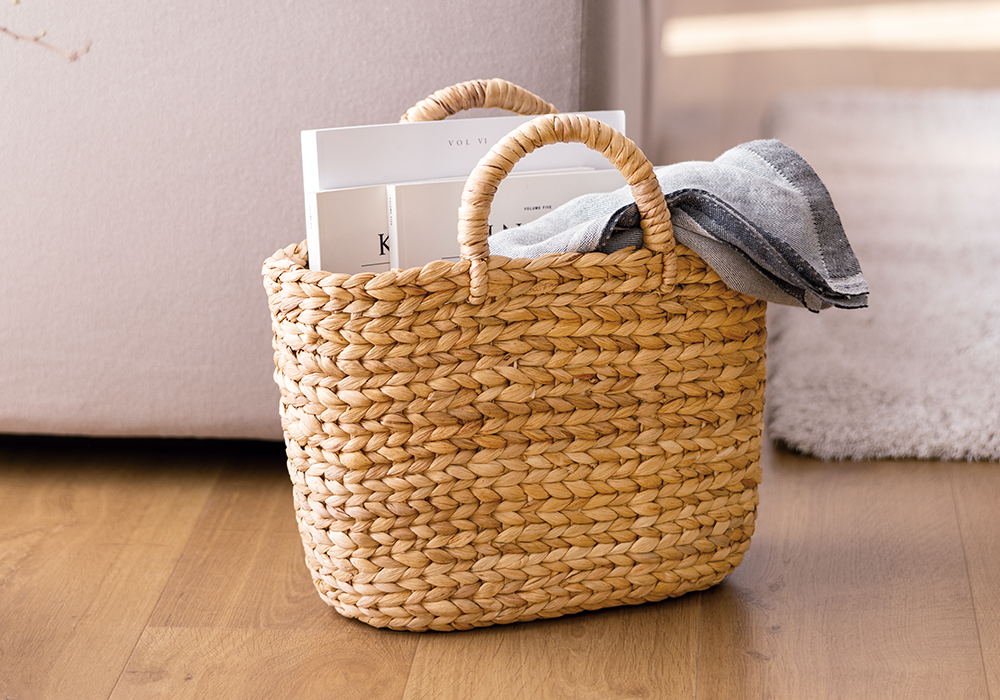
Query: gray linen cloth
[758,215]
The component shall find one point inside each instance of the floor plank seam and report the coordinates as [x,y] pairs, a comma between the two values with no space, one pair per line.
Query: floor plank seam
[166,583]
[968,581]
[409,672]
[697,648]
[142,630]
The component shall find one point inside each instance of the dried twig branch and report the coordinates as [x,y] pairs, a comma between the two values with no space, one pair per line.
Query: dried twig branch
[68,55]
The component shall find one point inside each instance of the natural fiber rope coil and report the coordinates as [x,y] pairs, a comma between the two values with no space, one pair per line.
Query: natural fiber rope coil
[493,93]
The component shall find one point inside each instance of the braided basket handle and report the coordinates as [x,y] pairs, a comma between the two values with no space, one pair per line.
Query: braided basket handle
[473,215]
[477,93]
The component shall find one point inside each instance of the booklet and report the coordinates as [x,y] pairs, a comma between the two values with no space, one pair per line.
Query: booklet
[423,216]
[358,156]
[347,230]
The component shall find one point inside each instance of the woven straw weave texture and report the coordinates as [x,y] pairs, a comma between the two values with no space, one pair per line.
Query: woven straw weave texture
[499,440]
[487,94]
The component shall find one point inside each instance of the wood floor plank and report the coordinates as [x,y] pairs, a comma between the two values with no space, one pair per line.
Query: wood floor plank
[647,651]
[88,539]
[977,493]
[245,566]
[133,574]
[346,662]
[854,587]
[240,617]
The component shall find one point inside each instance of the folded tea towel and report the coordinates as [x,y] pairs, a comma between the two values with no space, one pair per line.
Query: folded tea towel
[758,215]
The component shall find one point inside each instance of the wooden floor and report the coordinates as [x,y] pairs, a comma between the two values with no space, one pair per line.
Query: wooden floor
[174,570]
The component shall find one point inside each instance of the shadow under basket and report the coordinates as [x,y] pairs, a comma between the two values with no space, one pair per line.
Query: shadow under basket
[497,440]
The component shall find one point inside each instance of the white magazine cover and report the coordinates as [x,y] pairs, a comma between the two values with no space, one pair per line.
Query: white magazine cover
[358,156]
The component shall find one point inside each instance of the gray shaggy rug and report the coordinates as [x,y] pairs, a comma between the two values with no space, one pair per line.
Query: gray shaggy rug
[916,179]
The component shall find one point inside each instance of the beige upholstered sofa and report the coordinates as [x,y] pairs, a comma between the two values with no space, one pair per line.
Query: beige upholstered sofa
[143,184]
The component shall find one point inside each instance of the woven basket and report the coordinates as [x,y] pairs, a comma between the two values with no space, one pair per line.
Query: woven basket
[497,440]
